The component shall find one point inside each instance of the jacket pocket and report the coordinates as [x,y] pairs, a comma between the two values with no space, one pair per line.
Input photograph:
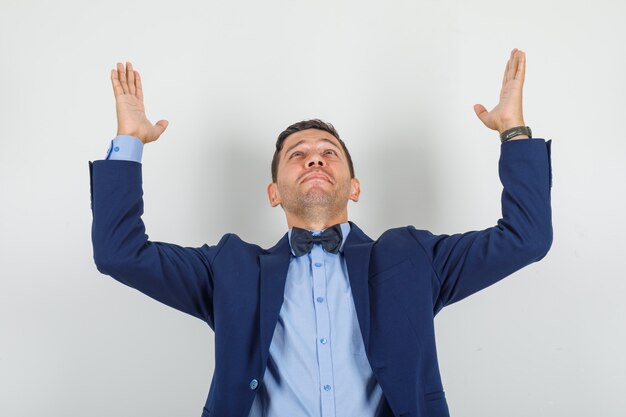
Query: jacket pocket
[388,273]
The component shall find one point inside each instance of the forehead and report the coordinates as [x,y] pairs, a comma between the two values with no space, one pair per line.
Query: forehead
[309,136]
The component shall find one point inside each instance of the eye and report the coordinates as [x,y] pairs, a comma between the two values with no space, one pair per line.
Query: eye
[296,153]
[330,151]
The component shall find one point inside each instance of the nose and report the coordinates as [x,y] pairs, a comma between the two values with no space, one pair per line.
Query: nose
[315,159]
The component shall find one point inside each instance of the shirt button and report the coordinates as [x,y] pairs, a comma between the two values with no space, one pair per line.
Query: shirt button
[326,387]
[116,149]
[318,264]
[320,299]
[323,340]
[254,384]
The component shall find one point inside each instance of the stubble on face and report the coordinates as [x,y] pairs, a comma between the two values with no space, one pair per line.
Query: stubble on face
[314,203]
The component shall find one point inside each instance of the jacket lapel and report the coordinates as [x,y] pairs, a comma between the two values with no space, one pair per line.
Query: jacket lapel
[356,250]
[274,267]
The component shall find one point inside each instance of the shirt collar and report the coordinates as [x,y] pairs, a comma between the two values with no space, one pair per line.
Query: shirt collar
[345,229]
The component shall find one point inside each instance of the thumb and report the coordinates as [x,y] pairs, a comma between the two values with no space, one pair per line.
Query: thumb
[160,126]
[481,112]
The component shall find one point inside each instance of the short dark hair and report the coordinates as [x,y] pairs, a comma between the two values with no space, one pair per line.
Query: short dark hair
[303,125]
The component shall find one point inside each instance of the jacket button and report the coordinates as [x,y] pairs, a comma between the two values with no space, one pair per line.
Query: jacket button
[254,384]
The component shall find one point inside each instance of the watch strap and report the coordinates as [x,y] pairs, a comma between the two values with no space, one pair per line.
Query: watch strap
[518,130]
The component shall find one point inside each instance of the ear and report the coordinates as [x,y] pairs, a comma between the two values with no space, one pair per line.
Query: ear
[272,194]
[355,189]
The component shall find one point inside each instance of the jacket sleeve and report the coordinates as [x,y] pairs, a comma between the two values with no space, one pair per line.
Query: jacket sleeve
[465,263]
[180,277]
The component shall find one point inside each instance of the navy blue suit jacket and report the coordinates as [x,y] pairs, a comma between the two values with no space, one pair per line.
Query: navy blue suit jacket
[399,281]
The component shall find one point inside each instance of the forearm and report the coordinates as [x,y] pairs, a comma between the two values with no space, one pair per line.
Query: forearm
[526,174]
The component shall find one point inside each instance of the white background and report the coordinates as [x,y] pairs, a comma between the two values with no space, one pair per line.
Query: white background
[398,79]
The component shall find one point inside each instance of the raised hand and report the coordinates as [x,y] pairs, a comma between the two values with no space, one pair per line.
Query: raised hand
[508,112]
[131,114]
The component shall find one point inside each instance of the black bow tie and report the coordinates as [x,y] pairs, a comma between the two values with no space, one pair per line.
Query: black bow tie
[302,240]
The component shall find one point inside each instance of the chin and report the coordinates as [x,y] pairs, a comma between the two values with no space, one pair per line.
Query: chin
[317,196]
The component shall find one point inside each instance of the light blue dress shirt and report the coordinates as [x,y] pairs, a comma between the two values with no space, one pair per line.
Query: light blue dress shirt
[125,147]
[317,365]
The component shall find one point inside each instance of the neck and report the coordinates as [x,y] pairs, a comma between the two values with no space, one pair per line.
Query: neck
[312,220]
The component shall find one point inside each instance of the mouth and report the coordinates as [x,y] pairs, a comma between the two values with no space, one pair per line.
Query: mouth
[316,176]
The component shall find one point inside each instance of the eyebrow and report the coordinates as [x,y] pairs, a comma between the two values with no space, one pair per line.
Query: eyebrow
[302,141]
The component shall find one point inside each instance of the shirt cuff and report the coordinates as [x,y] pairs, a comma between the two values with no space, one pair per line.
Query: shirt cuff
[125,147]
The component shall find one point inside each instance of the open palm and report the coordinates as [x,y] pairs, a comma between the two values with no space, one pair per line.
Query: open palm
[508,112]
[131,113]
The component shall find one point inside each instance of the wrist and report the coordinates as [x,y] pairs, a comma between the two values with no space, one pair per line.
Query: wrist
[130,133]
[510,124]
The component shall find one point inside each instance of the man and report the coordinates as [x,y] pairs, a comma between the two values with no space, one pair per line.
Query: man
[328,322]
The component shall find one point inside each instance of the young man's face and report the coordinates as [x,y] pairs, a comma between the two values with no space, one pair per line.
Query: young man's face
[312,171]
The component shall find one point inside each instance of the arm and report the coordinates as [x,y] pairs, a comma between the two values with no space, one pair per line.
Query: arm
[180,277]
[465,263]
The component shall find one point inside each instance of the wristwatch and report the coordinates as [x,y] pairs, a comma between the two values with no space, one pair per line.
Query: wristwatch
[511,133]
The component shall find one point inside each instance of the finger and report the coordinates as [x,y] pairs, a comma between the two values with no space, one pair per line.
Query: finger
[117,87]
[121,74]
[160,126]
[139,87]
[512,56]
[163,124]
[521,68]
[512,67]
[481,112]
[506,71]
[130,74]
